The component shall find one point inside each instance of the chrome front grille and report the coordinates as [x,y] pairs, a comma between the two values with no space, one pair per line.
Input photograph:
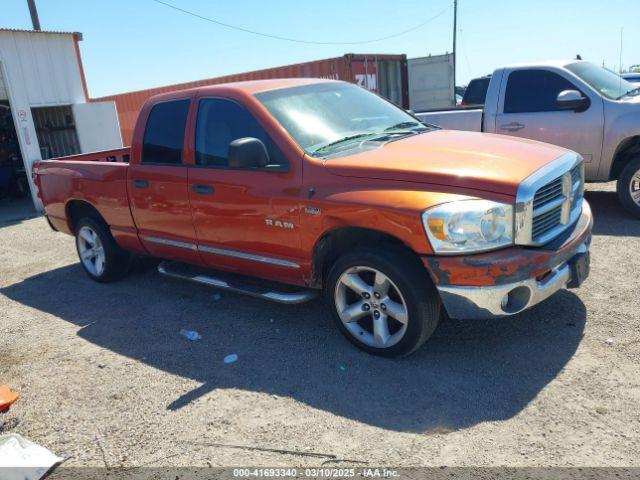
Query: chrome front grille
[577,174]
[549,201]
[547,207]
[545,222]
[548,194]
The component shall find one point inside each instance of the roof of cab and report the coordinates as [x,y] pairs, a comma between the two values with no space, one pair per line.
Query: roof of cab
[256,86]
[542,64]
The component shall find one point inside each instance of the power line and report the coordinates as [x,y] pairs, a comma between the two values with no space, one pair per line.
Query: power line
[298,40]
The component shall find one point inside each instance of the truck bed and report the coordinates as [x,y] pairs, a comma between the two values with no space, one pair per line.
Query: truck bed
[98,179]
[459,118]
[119,155]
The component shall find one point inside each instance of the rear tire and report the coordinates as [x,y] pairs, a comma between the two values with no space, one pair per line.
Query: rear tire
[100,256]
[628,187]
[383,300]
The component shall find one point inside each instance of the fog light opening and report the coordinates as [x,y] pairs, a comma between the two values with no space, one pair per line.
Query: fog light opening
[516,300]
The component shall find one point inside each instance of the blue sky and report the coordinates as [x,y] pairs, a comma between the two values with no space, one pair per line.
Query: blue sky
[136,44]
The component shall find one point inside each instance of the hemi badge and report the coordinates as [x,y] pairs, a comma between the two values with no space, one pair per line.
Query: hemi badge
[312,210]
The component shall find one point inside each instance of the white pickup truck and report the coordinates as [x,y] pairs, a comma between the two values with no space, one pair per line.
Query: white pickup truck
[573,104]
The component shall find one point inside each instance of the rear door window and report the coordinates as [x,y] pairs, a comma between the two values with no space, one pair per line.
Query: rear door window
[534,91]
[476,92]
[164,133]
[222,121]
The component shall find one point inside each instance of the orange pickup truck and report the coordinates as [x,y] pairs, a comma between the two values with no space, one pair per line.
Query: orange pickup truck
[283,188]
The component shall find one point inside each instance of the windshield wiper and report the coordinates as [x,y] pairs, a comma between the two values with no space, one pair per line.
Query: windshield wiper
[401,125]
[341,140]
[399,129]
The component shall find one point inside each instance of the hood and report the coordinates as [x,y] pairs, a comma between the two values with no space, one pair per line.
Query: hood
[479,161]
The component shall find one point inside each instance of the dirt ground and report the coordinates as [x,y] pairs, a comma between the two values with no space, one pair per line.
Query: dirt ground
[106,378]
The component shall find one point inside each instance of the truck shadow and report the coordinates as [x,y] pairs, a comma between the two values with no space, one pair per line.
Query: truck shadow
[16,211]
[469,372]
[609,217]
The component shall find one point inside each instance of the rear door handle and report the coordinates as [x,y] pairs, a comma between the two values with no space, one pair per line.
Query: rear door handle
[512,127]
[203,189]
[140,183]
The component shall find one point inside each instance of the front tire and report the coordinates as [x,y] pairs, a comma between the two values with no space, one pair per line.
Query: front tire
[628,187]
[100,256]
[383,300]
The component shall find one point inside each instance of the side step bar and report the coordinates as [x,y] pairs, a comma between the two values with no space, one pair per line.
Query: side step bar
[234,283]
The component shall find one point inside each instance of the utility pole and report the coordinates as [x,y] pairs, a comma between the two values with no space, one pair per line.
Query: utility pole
[34,14]
[455,28]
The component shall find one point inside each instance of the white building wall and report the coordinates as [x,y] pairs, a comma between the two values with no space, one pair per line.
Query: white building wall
[40,69]
[43,67]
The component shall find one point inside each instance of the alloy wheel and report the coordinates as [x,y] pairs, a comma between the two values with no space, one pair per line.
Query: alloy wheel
[371,307]
[634,187]
[91,251]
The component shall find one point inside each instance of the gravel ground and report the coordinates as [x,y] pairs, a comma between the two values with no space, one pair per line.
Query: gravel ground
[106,378]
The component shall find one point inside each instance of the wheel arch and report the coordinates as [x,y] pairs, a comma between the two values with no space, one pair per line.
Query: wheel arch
[627,149]
[334,242]
[77,209]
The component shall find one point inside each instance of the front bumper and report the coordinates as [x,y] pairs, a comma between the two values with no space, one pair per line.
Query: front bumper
[509,281]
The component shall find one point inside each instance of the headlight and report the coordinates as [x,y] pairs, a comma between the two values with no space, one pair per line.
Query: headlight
[469,226]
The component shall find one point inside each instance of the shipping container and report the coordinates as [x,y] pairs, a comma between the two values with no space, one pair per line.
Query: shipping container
[431,82]
[383,74]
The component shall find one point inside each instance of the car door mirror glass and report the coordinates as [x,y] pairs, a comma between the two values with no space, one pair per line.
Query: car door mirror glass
[572,100]
[248,152]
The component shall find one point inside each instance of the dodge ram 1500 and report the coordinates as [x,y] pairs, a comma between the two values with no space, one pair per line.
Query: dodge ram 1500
[282,188]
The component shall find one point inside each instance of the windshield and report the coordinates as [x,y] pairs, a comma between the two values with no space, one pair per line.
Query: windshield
[604,81]
[324,118]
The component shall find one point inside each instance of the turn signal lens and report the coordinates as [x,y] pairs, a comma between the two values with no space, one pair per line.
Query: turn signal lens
[436,225]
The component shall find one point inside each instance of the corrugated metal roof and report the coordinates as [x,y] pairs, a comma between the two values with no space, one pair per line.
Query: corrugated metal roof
[22,30]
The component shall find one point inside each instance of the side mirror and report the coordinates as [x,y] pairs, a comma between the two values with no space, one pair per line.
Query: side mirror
[572,100]
[248,152]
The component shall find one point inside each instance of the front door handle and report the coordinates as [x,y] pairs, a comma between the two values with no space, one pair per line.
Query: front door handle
[140,183]
[203,189]
[512,127]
